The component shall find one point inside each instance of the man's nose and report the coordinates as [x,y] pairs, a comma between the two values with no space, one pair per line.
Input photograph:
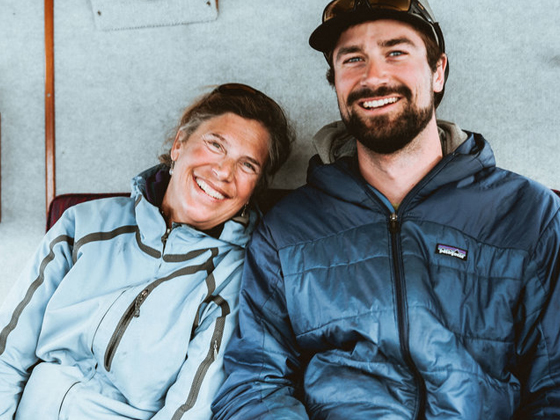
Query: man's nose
[375,73]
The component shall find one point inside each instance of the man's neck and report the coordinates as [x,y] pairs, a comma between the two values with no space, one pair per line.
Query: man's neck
[396,174]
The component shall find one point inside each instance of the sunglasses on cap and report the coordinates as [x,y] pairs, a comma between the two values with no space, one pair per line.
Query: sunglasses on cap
[336,7]
[340,14]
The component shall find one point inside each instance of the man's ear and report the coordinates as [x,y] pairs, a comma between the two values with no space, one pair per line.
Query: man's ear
[439,74]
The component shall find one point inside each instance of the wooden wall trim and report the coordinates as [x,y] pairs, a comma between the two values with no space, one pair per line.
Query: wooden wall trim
[0,167]
[50,180]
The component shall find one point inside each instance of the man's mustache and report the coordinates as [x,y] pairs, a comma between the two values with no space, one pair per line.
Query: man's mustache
[380,91]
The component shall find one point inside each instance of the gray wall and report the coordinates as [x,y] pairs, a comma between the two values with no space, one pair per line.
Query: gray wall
[119,92]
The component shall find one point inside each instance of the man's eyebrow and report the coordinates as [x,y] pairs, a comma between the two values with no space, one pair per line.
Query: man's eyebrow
[351,49]
[396,41]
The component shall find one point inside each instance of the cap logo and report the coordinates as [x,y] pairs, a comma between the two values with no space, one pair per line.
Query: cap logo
[451,251]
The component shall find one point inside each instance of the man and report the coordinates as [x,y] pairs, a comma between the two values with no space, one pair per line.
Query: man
[410,278]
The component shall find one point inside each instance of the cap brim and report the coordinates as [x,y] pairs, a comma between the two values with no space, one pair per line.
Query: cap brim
[325,37]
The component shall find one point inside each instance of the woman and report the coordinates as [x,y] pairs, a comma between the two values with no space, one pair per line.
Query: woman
[128,304]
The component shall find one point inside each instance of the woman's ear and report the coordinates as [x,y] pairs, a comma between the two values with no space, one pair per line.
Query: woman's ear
[177,143]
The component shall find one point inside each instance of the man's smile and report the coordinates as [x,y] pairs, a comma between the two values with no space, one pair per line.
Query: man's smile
[378,103]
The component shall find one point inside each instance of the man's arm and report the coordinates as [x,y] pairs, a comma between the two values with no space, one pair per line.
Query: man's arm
[262,360]
[539,343]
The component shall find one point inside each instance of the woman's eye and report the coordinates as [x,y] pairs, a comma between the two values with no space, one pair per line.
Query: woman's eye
[214,144]
[249,167]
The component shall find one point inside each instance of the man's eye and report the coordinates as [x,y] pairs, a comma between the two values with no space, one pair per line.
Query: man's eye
[396,53]
[353,60]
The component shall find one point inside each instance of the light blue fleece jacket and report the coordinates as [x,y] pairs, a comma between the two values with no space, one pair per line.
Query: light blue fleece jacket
[116,318]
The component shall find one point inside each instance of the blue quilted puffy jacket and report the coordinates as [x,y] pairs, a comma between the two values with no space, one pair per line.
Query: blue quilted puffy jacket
[448,308]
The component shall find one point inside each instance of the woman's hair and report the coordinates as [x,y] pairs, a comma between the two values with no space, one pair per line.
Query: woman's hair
[248,103]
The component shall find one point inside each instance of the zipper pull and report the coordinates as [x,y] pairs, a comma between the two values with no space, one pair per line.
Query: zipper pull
[215,349]
[139,299]
[165,236]
[394,223]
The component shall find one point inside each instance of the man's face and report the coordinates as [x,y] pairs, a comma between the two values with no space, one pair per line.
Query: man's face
[384,85]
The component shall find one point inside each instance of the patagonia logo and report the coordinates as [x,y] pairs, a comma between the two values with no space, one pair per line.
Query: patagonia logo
[451,251]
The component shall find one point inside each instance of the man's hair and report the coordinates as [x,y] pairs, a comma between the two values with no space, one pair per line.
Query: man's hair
[433,53]
[245,104]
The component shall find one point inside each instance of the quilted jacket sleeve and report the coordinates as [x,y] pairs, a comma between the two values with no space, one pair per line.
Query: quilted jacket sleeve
[539,346]
[262,360]
[21,314]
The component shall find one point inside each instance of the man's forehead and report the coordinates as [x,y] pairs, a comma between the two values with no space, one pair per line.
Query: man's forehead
[381,32]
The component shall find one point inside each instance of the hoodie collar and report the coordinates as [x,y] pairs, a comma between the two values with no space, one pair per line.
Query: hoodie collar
[334,169]
[333,141]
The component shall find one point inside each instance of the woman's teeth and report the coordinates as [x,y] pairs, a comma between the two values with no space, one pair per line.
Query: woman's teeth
[209,190]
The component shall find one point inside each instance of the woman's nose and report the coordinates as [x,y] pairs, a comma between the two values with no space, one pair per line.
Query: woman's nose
[223,169]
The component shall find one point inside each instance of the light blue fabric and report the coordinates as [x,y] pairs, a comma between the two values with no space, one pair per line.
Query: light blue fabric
[110,322]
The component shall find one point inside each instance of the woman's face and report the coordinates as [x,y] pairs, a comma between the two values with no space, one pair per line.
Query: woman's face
[216,170]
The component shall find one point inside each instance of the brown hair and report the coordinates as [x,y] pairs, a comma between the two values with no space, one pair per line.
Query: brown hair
[248,103]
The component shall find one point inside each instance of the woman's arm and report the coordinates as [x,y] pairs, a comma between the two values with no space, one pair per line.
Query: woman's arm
[21,314]
[202,372]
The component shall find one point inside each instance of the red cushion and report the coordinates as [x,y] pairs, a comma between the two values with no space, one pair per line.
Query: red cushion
[61,202]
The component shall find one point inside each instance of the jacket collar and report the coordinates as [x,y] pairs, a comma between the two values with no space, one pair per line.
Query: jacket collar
[152,226]
[334,169]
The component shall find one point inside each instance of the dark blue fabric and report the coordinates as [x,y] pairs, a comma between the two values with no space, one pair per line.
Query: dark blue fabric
[452,311]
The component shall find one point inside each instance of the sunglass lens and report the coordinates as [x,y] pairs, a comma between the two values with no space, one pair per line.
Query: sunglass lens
[337,7]
[402,5]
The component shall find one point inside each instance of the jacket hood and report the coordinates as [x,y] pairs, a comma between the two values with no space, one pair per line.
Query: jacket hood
[336,161]
[236,231]
[333,141]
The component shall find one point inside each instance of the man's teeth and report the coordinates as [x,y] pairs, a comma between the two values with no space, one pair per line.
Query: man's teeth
[209,190]
[379,103]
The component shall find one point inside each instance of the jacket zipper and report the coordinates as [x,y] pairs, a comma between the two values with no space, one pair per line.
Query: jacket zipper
[133,310]
[164,239]
[203,368]
[402,314]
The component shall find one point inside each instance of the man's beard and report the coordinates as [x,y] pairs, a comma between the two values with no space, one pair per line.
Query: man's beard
[383,134]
